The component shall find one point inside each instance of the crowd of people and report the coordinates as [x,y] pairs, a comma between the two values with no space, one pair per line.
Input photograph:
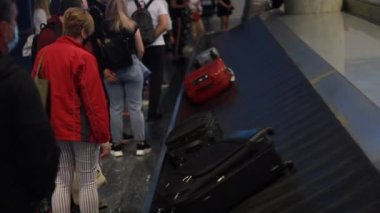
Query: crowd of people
[87,95]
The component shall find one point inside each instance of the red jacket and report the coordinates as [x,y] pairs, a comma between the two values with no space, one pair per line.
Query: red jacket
[78,109]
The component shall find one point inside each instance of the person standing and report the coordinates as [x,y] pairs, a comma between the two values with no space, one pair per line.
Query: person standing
[177,12]
[41,14]
[78,110]
[49,34]
[124,85]
[197,27]
[154,56]
[28,174]
[224,10]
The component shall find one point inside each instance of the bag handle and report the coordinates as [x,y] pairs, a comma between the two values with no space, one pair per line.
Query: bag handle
[39,66]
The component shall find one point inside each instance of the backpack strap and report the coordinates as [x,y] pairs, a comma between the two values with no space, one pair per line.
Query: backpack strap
[139,5]
[147,5]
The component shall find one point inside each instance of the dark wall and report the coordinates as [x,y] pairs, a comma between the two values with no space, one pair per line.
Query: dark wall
[25,12]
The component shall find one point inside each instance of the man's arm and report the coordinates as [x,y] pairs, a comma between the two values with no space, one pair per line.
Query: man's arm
[162,25]
[93,97]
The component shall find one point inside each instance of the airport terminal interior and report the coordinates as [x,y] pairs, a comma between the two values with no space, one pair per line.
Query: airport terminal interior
[309,69]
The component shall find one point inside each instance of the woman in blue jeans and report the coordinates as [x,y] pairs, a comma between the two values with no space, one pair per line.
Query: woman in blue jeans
[125,85]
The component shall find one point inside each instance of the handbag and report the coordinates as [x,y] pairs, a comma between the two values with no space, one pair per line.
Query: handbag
[42,84]
[117,51]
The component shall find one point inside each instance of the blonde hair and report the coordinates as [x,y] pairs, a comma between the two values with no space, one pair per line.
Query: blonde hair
[117,14]
[76,19]
[43,4]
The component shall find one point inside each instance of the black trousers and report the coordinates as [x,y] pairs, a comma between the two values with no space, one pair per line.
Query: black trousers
[154,59]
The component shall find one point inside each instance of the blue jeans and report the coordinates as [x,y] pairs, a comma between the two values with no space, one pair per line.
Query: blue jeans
[127,92]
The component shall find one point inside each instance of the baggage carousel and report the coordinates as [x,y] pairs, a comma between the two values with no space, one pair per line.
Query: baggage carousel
[318,115]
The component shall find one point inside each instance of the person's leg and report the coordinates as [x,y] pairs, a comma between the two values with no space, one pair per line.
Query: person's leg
[115,93]
[133,81]
[61,199]
[133,87]
[194,30]
[224,22]
[221,23]
[86,160]
[200,28]
[227,22]
[178,30]
[154,59]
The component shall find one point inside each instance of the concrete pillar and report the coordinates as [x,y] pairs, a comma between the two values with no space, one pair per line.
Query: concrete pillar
[312,6]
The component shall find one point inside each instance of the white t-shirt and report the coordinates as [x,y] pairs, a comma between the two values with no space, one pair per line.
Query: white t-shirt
[170,22]
[195,6]
[39,17]
[156,8]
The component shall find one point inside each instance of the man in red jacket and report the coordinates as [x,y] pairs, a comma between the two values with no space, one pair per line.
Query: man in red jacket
[78,109]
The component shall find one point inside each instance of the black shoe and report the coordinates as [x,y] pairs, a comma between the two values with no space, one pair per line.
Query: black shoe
[154,117]
[142,149]
[117,150]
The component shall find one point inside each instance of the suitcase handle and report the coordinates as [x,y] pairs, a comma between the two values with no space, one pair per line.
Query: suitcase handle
[200,80]
[197,82]
[193,146]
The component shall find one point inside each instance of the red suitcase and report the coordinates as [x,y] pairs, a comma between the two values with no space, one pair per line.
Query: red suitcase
[207,81]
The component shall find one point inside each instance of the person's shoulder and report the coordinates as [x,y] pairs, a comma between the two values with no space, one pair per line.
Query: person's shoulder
[39,11]
[159,2]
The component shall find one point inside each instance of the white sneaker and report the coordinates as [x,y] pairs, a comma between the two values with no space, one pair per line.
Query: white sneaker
[142,149]
[145,103]
[117,150]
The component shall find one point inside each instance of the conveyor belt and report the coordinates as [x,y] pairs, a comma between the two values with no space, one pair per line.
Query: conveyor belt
[332,173]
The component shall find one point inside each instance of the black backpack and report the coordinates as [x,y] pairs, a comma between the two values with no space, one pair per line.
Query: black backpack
[116,48]
[144,20]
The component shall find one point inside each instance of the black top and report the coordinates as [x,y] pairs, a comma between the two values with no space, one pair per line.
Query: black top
[109,32]
[28,154]
[97,11]
[176,12]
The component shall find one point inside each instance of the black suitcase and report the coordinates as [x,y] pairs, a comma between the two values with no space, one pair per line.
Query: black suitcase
[223,175]
[191,135]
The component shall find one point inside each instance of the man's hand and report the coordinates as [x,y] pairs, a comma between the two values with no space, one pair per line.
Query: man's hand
[109,75]
[105,149]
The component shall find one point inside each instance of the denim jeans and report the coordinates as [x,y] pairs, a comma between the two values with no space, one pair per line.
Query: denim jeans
[126,92]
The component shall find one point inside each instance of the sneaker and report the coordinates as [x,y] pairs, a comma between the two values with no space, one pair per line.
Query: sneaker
[142,149]
[117,150]
[145,103]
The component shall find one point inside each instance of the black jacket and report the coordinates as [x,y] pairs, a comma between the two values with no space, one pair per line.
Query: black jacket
[28,153]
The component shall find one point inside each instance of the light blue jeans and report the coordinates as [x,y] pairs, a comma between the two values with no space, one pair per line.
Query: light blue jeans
[127,92]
